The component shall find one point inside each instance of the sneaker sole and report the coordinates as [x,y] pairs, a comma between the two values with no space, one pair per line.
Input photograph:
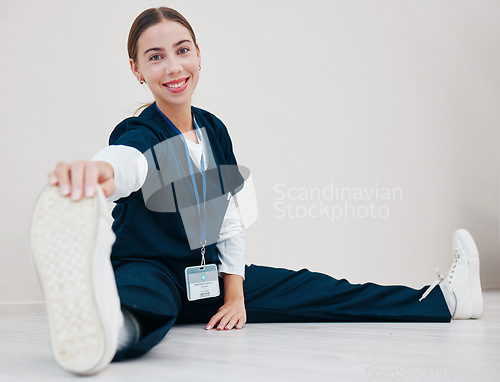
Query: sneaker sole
[466,241]
[62,237]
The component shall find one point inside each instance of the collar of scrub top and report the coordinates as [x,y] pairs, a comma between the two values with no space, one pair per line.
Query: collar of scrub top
[203,241]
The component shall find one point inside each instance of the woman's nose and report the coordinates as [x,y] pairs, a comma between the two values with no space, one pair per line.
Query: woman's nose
[173,66]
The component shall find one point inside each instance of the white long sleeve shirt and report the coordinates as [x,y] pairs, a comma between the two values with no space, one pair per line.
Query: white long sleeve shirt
[130,170]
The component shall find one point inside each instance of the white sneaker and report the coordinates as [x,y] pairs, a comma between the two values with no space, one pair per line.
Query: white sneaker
[463,277]
[70,248]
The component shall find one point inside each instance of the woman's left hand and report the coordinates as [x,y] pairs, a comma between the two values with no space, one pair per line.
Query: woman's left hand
[232,313]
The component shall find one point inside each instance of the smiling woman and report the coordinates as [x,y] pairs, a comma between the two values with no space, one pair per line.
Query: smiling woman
[114,292]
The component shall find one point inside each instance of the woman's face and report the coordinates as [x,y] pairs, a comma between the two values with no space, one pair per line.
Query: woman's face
[168,61]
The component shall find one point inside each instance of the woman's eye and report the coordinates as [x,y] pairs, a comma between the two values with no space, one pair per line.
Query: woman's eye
[183,50]
[155,57]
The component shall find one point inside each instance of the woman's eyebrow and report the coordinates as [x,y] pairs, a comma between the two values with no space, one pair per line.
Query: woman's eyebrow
[161,49]
[153,50]
[180,43]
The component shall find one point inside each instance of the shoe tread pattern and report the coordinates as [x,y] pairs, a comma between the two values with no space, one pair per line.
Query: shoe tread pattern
[63,236]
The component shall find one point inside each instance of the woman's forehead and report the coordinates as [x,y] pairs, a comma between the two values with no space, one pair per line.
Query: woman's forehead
[165,34]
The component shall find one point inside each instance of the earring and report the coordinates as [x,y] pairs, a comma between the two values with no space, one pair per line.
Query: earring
[141,80]
[199,67]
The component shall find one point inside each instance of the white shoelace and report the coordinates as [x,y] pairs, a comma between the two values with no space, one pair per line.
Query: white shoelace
[448,277]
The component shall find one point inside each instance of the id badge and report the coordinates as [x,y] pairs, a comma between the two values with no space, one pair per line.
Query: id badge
[202,282]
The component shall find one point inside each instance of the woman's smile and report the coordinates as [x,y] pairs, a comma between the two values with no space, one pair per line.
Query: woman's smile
[177,86]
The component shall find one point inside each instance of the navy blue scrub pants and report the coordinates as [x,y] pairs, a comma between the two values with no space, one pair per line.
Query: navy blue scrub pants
[271,295]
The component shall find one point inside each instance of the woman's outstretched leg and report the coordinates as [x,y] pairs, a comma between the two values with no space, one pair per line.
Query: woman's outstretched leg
[281,295]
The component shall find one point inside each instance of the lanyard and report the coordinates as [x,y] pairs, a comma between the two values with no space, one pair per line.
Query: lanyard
[203,241]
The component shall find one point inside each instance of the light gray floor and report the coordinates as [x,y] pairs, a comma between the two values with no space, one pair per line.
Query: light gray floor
[459,351]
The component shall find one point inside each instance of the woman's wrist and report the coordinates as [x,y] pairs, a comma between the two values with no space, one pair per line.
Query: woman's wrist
[233,287]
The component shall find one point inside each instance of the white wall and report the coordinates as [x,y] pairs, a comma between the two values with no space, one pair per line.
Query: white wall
[395,94]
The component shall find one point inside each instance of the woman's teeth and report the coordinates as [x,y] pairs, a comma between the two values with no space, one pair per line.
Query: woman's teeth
[177,85]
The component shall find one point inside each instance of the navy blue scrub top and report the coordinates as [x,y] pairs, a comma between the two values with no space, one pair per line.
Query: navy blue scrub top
[143,231]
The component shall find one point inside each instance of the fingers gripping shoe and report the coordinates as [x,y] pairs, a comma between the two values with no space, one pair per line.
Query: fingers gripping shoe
[463,277]
[70,248]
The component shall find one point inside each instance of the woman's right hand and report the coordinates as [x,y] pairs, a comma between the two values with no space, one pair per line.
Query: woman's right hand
[80,178]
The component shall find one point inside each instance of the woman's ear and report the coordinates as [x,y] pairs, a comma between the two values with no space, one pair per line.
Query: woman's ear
[198,52]
[135,69]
